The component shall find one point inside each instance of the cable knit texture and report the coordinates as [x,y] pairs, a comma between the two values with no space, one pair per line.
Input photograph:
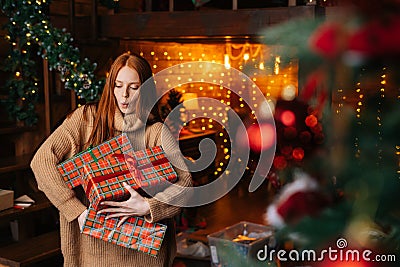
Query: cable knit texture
[82,250]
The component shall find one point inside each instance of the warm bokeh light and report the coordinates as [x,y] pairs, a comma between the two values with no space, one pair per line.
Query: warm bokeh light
[288,118]
[311,121]
[261,137]
[261,63]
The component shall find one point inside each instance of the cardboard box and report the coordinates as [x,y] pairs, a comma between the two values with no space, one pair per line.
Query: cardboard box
[147,171]
[72,168]
[237,245]
[135,233]
[6,199]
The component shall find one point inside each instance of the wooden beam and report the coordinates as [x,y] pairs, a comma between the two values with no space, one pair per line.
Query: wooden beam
[93,24]
[82,31]
[207,23]
[71,16]
[46,88]
[73,100]
[234,4]
[148,5]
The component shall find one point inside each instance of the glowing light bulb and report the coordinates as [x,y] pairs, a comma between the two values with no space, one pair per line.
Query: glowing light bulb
[226,61]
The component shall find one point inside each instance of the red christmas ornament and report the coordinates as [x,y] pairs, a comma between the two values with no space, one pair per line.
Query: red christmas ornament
[298,153]
[377,38]
[261,137]
[279,162]
[202,224]
[288,118]
[328,40]
[311,121]
[313,81]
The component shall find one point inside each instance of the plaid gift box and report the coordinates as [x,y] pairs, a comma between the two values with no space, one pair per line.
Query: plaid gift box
[135,233]
[72,169]
[147,171]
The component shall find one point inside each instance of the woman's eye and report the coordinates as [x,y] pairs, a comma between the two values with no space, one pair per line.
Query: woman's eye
[118,86]
[134,87]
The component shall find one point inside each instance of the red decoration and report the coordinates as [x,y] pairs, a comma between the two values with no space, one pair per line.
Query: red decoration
[261,137]
[299,140]
[328,263]
[313,82]
[288,118]
[377,38]
[298,153]
[328,40]
[300,204]
[311,121]
[279,162]
[298,199]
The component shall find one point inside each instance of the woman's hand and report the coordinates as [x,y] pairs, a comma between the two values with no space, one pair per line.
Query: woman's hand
[136,205]
[82,218]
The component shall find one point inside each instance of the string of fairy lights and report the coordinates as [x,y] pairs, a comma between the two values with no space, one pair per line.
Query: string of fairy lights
[379,115]
[359,108]
[260,63]
[397,146]
[360,94]
[30,35]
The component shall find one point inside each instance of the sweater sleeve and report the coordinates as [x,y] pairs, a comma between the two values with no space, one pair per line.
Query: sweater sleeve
[177,193]
[61,144]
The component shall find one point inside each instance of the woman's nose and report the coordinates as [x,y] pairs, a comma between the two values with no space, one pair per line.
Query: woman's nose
[125,93]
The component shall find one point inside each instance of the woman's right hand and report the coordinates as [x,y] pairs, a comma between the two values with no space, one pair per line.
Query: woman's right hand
[82,218]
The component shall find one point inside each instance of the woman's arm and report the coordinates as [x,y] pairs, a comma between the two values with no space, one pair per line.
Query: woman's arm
[62,143]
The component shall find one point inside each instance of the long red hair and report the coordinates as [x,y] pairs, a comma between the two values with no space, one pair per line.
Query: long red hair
[146,108]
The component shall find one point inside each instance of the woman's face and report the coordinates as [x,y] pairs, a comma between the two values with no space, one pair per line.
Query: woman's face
[126,90]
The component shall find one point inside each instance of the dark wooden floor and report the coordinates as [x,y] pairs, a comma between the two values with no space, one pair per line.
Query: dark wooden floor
[238,205]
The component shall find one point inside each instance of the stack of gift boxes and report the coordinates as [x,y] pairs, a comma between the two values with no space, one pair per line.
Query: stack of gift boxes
[102,170]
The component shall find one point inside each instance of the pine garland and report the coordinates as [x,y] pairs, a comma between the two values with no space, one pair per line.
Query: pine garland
[30,32]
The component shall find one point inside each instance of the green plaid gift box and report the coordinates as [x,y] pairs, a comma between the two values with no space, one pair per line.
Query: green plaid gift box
[147,171]
[135,233]
[72,169]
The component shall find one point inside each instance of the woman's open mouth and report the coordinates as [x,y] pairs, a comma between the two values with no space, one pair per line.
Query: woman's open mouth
[124,105]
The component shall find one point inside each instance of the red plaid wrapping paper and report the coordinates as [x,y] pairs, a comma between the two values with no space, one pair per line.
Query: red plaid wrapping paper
[135,233]
[147,169]
[72,169]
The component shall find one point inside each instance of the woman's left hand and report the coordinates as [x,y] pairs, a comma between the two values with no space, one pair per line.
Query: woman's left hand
[136,205]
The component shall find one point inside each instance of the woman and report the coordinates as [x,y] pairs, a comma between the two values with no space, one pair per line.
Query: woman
[123,107]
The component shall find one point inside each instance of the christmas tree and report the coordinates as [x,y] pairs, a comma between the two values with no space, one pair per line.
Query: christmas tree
[347,190]
[173,117]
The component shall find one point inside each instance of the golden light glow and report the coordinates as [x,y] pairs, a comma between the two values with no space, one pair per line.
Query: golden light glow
[261,63]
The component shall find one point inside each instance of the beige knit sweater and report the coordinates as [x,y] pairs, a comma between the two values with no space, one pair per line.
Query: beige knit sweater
[81,250]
